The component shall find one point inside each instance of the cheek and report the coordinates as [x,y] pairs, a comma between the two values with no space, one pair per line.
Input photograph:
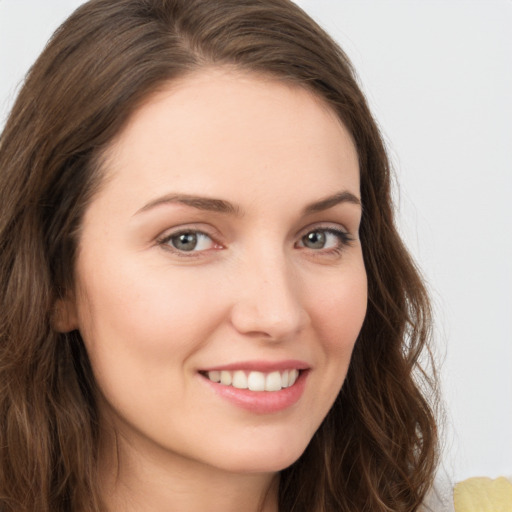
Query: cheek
[339,309]
[338,315]
[144,312]
[141,330]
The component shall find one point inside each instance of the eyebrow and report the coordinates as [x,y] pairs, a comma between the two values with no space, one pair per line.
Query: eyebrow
[199,202]
[331,201]
[222,206]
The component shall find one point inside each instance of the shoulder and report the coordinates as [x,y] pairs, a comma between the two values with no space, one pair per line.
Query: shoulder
[483,494]
[480,494]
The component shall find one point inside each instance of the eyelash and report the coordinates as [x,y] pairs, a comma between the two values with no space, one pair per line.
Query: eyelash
[165,242]
[344,240]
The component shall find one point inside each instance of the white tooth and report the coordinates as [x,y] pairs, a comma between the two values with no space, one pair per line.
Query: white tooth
[292,377]
[214,376]
[225,378]
[273,382]
[284,379]
[256,381]
[239,380]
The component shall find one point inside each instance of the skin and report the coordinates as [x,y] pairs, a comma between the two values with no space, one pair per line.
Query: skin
[152,316]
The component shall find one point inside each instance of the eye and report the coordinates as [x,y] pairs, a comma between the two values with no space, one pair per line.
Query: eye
[189,241]
[325,239]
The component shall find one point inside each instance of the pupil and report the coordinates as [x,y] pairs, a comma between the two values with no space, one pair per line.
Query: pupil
[185,241]
[315,240]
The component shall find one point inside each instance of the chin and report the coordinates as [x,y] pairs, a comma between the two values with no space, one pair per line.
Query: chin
[260,458]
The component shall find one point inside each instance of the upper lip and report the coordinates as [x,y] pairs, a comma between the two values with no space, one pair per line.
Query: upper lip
[260,366]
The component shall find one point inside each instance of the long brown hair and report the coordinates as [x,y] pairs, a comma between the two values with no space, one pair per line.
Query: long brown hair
[377,448]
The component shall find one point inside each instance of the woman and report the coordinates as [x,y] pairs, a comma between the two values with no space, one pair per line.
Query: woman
[205,302]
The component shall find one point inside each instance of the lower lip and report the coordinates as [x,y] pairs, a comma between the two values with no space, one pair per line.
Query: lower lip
[262,402]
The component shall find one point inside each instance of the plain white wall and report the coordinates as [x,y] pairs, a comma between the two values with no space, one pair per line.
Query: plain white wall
[438,76]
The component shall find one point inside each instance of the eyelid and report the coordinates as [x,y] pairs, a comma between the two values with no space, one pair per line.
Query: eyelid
[164,239]
[344,235]
[190,227]
[326,226]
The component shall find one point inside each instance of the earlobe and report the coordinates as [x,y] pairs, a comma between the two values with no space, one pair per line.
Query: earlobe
[64,318]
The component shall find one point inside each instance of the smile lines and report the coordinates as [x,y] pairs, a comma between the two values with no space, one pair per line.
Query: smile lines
[254,381]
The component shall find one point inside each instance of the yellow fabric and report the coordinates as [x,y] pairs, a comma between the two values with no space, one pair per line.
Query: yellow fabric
[483,495]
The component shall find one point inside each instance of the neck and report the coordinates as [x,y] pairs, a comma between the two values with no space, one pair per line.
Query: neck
[137,479]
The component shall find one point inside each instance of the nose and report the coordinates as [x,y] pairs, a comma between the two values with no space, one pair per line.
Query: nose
[268,302]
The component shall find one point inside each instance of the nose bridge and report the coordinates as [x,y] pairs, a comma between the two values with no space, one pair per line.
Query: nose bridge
[268,301]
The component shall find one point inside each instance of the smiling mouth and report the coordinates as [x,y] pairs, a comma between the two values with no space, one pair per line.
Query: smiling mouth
[254,380]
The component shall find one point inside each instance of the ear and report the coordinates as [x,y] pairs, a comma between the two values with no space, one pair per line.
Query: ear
[65,318]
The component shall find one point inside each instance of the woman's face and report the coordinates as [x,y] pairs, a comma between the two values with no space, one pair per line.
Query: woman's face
[223,244]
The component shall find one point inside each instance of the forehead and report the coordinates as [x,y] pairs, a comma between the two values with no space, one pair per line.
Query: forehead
[217,127]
